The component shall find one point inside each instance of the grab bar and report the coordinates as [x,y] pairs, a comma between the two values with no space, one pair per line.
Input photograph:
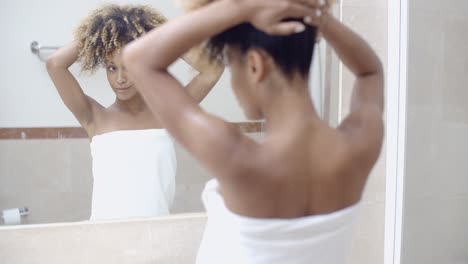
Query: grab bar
[36,49]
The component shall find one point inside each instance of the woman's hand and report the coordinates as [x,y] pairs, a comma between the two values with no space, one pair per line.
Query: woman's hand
[269,15]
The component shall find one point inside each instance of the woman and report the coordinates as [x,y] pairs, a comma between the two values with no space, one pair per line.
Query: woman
[293,197]
[134,162]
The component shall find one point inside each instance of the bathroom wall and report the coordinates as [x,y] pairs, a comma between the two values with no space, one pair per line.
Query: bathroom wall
[162,240]
[369,19]
[435,183]
[56,183]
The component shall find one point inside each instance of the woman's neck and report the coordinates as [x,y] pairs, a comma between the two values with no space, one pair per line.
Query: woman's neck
[134,105]
[288,105]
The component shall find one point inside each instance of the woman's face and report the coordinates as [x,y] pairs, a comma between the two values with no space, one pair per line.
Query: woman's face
[118,78]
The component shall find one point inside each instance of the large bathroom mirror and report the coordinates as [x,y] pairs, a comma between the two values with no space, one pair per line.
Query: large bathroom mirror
[46,173]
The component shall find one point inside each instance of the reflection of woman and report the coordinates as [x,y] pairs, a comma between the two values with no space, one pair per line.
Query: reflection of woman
[134,162]
[293,197]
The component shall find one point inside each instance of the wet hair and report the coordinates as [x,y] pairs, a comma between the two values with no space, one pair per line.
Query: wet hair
[109,29]
[291,53]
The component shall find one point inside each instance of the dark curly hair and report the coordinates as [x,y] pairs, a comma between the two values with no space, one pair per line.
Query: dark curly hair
[109,29]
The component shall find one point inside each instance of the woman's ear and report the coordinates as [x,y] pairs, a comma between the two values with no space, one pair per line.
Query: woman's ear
[258,66]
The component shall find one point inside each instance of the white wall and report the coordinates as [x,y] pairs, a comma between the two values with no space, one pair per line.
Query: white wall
[29,98]
[435,196]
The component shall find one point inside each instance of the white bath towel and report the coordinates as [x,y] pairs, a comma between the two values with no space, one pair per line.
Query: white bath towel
[231,238]
[134,174]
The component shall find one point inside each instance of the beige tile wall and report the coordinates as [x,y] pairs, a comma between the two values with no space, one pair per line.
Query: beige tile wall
[436,182]
[168,240]
[50,177]
[53,179]
[369,19]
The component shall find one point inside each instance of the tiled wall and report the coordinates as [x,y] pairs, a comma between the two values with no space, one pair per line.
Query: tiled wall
[436,180]
[50,177]
[53,179]
[167,240]
[369,19]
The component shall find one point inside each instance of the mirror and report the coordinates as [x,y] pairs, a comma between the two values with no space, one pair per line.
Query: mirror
[46,166]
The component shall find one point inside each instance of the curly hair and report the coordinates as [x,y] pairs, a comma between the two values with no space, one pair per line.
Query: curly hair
[109,29]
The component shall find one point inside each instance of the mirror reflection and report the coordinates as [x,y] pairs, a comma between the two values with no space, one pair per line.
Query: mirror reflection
[84,146]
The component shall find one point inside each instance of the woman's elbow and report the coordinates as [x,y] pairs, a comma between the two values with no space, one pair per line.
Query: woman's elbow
[374,69]
[53,63]
[379,67]
[136,59]
[132,56]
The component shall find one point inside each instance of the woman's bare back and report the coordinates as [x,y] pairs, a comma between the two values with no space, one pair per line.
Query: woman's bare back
[309,171]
